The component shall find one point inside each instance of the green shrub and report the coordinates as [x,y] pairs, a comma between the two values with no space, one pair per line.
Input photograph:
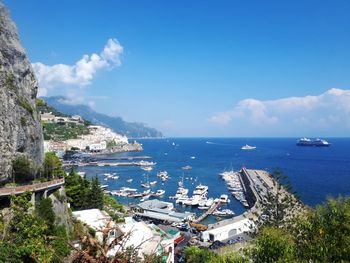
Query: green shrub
[40,102]
[22,169]
[10,81]
[23,121]
[26,105]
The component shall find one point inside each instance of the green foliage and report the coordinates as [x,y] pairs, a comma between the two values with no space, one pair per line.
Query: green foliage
[324,235]
[26,240]
[10,82]
[31,237]
[273,245]
[111,144]
[45,212]
[40,102]
[194,255]
[96,194]
[62,132]
[22,169]
[23,121]
[26,105]
[52,166]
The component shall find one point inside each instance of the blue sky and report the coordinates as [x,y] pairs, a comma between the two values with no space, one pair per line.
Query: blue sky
[197,68]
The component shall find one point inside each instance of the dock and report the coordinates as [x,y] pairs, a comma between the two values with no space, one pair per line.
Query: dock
[211,210]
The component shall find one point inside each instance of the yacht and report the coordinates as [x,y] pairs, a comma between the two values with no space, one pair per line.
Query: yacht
[321,143]
[181,192]
[224,212]
[200,190]
[248,147]
[209,202]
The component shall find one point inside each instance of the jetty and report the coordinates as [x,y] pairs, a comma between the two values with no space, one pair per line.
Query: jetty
[211,210]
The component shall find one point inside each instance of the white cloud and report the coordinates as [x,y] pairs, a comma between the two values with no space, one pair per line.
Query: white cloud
[327,111]
[81,73]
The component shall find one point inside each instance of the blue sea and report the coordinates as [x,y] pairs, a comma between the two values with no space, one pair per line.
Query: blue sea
[314,172]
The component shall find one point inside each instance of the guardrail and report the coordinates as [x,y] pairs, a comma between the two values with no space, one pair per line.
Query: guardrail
[15,190]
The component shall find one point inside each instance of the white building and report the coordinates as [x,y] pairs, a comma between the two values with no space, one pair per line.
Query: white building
[227,228]
[97,220]
[147,238]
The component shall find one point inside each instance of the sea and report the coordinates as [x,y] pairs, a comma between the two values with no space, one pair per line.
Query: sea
[315,173]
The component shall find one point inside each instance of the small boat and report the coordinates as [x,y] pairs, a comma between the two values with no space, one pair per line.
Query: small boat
[115,177]
[145,198]
[107,174]
[147,168]
[203,207]
[146,185]
[209,202]
[159,192]
[129,180]
[224,212]
[248,147]
[193,157]
[224,199]
[153,183]
[135,195]
[103,186]
[187,167]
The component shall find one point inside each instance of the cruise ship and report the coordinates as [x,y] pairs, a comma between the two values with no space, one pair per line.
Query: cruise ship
[309,142]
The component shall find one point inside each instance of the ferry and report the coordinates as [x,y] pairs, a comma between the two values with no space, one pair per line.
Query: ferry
[248,147]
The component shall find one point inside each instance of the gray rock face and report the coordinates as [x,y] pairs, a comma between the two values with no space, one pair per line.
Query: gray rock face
[20,128]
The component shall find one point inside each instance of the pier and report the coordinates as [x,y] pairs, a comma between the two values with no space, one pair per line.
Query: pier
[211,210]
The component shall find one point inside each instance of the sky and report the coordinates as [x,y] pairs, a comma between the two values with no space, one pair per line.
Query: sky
[197,68]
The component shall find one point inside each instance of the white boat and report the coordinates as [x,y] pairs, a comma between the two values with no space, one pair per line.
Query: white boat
[162,174]
[147,168]
[103,186]
[146,185]
[159,192]
[224,199]
[146,163]
[209,202]
[107,174]
[202,202]
[129,180]
[153,183]
[200,190]
[248,147]
[224,212]
[193,157]
[181,192]
[203,207]
[187,167]
[115,177]
[145,198]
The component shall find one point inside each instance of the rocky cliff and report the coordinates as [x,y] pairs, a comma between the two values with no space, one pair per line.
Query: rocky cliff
[20,129]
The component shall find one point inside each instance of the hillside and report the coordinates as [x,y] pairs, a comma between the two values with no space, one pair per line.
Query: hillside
[20,129]
[117,124]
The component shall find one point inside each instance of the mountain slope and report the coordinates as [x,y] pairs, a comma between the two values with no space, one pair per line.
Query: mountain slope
[117,124]
[20,129]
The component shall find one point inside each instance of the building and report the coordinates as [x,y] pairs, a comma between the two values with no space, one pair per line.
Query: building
[147,238]
[160,210]
[47,117]
[99,221]
[226,229]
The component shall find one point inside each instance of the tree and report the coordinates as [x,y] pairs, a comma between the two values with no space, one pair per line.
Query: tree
[324,235]
[52,166]
[44,211]
[96,194]
[272,244]
[22,169]
[279,205]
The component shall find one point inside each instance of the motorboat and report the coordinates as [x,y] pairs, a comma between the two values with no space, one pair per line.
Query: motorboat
[146,185]
[223,213]
[248,147]
[153,183]
[146,197]
[224,199]
[159,192]
[147,168]
[129,180]
[187,167]
[209,202]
